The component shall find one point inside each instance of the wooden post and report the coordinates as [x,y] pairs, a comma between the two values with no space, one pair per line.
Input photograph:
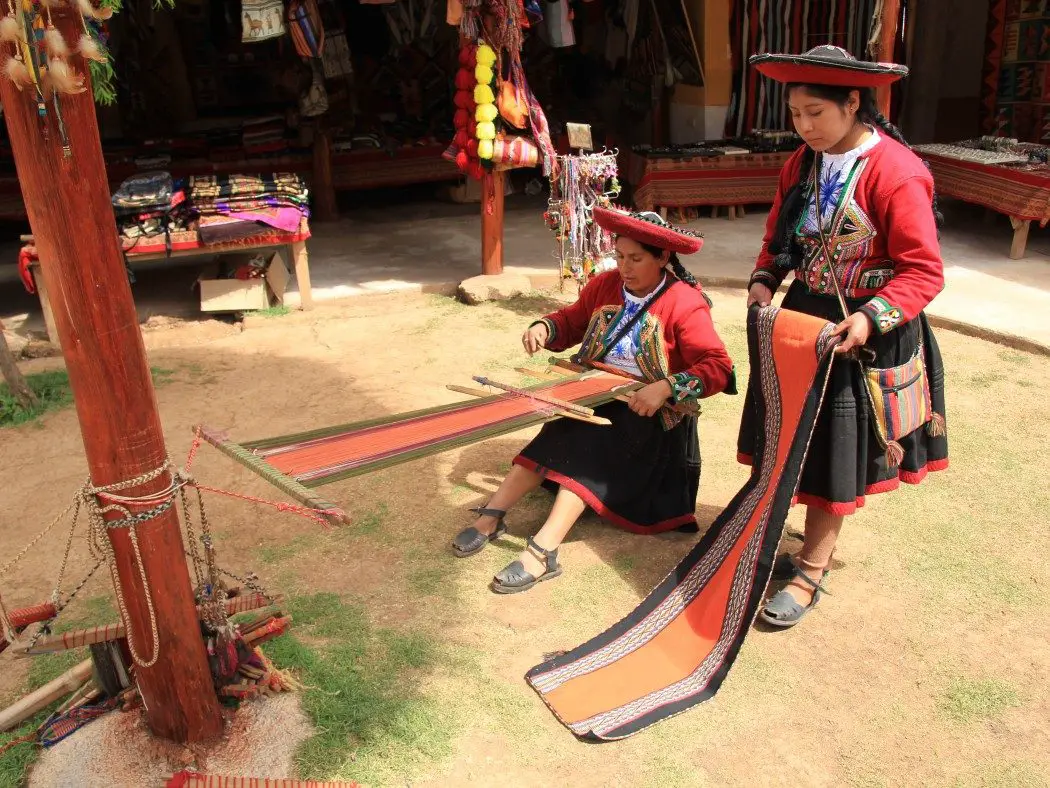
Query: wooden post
[324,208]
[887,37]
[67,199]
[492,188]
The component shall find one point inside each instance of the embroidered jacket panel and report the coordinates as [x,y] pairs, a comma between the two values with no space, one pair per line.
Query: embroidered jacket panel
[676,339]
[882,236]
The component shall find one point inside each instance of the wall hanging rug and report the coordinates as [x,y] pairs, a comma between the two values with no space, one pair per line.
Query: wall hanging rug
[297,463]
[785,26]
[676,648]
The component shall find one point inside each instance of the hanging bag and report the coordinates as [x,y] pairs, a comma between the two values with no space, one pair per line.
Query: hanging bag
[898,397]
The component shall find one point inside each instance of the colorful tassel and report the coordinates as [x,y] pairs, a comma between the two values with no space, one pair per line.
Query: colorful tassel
[62,79]
[16,71]
[90,49]
[54,43]
[12,30]
[894,454]
[936,428]
[87,9]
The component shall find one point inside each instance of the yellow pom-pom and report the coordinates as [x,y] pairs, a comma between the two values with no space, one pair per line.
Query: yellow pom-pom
[483,95]
[485,149]
[486,131]
[486,55]
[485,113]
[483,74]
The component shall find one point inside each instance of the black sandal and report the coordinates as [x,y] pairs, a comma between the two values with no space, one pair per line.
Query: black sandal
[783,611]
[470,540]
[513,579]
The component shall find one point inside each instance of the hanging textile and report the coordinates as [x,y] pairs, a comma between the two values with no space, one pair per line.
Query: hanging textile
[1018,53]
[677,647]
[785,26]
[261,20]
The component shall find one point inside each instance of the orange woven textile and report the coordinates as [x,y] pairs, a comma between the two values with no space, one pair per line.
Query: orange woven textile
[676,648]
[1014,192]
[721,180]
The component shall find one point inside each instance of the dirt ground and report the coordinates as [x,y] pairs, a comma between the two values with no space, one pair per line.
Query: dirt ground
[926,665]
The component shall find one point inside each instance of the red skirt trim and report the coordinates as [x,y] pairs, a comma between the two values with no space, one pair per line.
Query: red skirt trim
[603,511]
[847,508]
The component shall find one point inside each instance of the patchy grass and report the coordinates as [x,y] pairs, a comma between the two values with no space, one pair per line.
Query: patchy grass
[373,724]
[273,311]
[969,700]
[15,763]
[273,554]
[53,393]
[370,522]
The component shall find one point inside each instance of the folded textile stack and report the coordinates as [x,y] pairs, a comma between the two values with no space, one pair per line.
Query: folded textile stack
[235,207]
[151,209]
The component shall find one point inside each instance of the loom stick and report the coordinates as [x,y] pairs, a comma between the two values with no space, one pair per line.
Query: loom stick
[107,632]
[638,384]
[600,421]
[188,779]
[544,374]
[563,404]
[23,617]
[284,483]
[70,681]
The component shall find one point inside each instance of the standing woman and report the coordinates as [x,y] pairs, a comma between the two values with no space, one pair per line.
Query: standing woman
[648,320]
[857,194]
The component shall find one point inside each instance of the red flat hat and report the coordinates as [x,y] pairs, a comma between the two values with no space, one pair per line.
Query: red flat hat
[828,65]
[648,228]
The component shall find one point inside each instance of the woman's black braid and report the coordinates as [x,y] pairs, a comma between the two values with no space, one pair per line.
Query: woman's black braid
[784,245]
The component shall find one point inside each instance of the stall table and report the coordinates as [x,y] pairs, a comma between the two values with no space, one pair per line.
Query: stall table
[731,180]
[1022,195]
[295,244]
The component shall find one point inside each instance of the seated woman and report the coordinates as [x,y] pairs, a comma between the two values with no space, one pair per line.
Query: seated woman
[648,320]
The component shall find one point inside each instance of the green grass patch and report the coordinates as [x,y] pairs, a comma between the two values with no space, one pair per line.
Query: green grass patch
[273,554]
[969,700]
[370,522]
[53,393]
[273,311]
[374,725]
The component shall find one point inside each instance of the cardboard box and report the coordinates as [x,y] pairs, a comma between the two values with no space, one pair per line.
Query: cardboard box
[244,295]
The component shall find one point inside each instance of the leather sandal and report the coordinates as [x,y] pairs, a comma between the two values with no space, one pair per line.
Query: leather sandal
[513,579]
[470,540]
[783,611]
[785,568]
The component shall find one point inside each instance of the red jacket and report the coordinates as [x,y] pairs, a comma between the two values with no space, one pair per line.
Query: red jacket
[677,340]
[885,249]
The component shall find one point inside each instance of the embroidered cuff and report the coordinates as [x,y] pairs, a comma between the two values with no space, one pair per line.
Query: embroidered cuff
[685,388]
[884,316]
[767,278]
[552,329]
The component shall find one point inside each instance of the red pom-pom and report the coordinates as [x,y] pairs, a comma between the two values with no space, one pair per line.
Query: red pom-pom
[463,161]
[461,140]
[464,99]
[463,120]
[476,171]
[465,80]
[467,56]
[472,148]
[472,125]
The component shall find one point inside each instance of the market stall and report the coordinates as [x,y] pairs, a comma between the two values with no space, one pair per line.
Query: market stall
[1001,175]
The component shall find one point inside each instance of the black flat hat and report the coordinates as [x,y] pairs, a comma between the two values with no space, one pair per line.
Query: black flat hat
[827,65]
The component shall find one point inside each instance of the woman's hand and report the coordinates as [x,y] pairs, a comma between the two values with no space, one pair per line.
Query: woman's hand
[648,400]
[759,294]
[855,331]
[535,338]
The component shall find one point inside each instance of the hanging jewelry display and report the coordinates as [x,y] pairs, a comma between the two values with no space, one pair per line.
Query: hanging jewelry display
[37,54]
[578,185]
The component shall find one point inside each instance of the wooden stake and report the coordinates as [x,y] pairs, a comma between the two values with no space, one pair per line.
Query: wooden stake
[323,206]
[70,681]
[67,198]
[13,375]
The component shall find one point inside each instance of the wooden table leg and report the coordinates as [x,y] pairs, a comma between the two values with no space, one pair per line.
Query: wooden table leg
[663,212]
[714,211]
[1021,227]
[45,305]
[740,212]
[731,210]
[302,275]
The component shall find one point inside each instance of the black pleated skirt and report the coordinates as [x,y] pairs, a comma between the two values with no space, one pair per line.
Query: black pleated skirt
[845,462]
[633,473]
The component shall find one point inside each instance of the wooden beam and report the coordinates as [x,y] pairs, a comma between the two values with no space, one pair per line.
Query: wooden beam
[323,207]
[887,38]
[67,199]
[70,681]
[1020,241]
